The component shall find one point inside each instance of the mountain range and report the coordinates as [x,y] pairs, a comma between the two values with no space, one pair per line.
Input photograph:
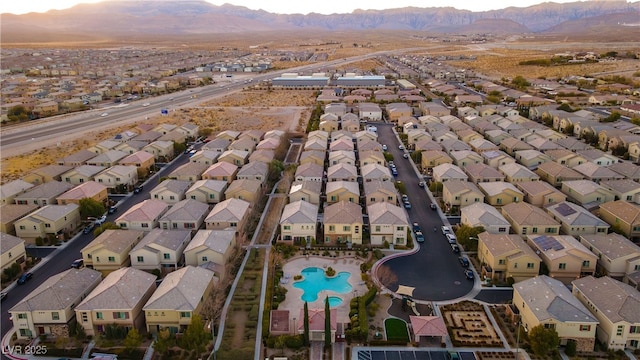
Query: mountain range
[157,17]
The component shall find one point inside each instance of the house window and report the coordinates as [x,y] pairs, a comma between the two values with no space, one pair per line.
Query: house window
[85,317]
[634,329]
[287,227]
[585,263]
[334,198]
[55,315]
[193,197]
[502,262]
[620,330]
[140,258]
[602,230]
[524,230]
[502,229]
[211,196]
[549,326]
[205,259]
[534,230]
[123,225]
[550,230]
[585,327]
[185,314]
[144,225]
[399,228]
[112,259]
[562,266]
[233,224]
[166,256]
[498,201]
[47,225]
[530,265]
[332,228]
[175,225]
[155,196]
[99,315]
[346,228]
[377,228]
[121,315]
[356,229]
[22,227]
[172,197]
[22,316]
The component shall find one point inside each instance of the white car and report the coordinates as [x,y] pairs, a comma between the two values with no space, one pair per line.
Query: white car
[446,230]
[104,114]
[146,104]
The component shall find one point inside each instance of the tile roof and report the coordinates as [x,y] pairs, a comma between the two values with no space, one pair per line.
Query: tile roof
[115,240]
[14,187]
[526,214]
[627,212]
[186,210]
[48,189]
[612,246]
[483,214]
[386,214]
[230,210]
[169,239]
[500,244]
[574,215]
[122,289]
[615,300]
[343,212]
[8,242]
[181,290]
[54,212]
[147,210]
[299,212]
[216,240]
[497,187]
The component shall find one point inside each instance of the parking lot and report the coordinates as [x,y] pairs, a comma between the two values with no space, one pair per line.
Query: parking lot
[414,354]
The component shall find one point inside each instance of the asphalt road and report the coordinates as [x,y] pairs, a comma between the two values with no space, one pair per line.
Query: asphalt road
[434,270]
[61,260]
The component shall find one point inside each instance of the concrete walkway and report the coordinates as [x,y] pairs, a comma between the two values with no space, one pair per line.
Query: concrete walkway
[339,351]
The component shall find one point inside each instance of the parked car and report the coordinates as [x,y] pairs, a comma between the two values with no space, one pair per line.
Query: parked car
[137,189]
[455,248]
[87,229]
[433,207]
[416,227]
[24,278]
[77,264]
[469,274]
[101,220]
[384,147]
[446,230]
[421,184]
[407,205]
[463,261]
[451,238]
[419,237]
[405,155]
[112,209]
[3,295]
[401,147]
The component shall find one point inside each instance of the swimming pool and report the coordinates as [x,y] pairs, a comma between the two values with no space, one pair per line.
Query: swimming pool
[316,281]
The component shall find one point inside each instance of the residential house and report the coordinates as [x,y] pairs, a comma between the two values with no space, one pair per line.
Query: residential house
[597,173]
[256,170]
[118,300]
[309,172]
[235,157]
[305,190]
[576,220]
[49,309]
[255,135]
[230,213]
[464,158]
[315,144]
[480,172]
[268,144]
[49,220]
[566,157]
[110,250]
[448,172]
[218,145]
[222,171]
[10,213]
[142,160]
[185,214]
[298,223]
[91,190]
[615,305]
[486,216]
[143,216]
[46,174]
[328,123]
[107,159]
[228,135]
[617,255]
[207,191]
[211,247]
[262,155]
[546,301]
[511,145]
[498,137]
[342,144]
[160,249]
[189,172]
[148,137]
[621,215]
[565,257]
[540,193]
[12,251]
[625,189]
[516,173]
[43,194]
[170,191]
[161,150]
[433,158]
[531,158]
[506,256]
[372,172]
[131,146]
[500,193]
[10,190]
[369,145]
[573,144]
[313,156]
[82,174]
[497,158]
[450,145]
[344,172]
[380,191]
[342,157]
[343,223]
[528,219]
[206,157]
[388,224]
[337,191]
[181,295]
[586,193]
[598,157]
[627,169]
[555,174]
[460,194]
[244,189]
[371,157]
[78,158]
[118,176]
[481,145]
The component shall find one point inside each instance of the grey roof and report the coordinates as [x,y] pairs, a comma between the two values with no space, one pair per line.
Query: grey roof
[213,185]
[343,212]
[313,187]
[122,289]
[386,214]
[59,291]
[14,187]
[186,210]
[216,240]
[375,185]
[612,246]
[54,212]
[622,186]
[181,290]
[615,300]
[8,242]
[549,299]
[12,212]
[350,186]
[484,214]
[574,215]
[87,170]
[299,212]
[254,168]
[230,210]
[175,186]
[170,239]
[46,190]
[115,240]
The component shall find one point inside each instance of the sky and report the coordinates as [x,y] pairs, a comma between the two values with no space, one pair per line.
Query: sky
[290,7]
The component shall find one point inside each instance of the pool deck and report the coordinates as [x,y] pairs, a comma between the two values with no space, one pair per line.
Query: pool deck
[293,303]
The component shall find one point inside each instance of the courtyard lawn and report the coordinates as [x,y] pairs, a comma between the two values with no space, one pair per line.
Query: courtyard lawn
[396,330]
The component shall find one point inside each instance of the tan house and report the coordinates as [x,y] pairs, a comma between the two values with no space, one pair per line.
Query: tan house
[92,190]
[465,158]
[104,146]
[448,172]
[586,193]
[540,193]
[143,216]
[625,189]
[379,191]
[597,173]
[235,157]
[189,172]
[619,214]
[107,159]
[221,171]
[481,173]
[43,194]
[244,189]
[46,173]
[576,220]
[206,157]
[344,172]
[617,255]
[506,256]
[207,191]
[187,214]
[373,172]
[160,249]
[565,257]
[82,174]
[78,158]
[10,213]
[337,191]
[342,144]
[545,301]
[511,144]
[12,251]
[497,158]
[615,305]
[180,296]
[566,157]
[211,247]
[485,215]
[255,170]
[110,250]
[343,223]
[528,219]
[305,190]
[118,176]
[12,189]
[531,158]
[433,158]
[141,160]
[371,157]
[516,173]
[49,220]
[298,222]
[118,300]
[388,224]
[161,150]
[555,174]
[49,309]
[170,191]
[500,193]
[461,194]
[342,156]
[231,213]
[313,156]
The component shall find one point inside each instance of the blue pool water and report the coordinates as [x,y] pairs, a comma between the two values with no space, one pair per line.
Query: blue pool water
[316,281]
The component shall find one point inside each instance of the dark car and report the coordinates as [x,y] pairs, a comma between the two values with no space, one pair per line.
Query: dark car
[433,207]
[112,209]
[77,264]
[24,278]
[416,227]
[3,295]
[419,237]
[87,229]
[469,274]
[137,189]
[455,248]
[463,261]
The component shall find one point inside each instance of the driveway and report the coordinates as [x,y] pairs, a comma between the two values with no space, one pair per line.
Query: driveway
[434,270]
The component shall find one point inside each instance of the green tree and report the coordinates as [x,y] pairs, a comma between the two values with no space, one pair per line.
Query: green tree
[306,324]
[194,336]
[327,323]
[570,349]
[179,148]
[133,340]
[467,236]
[614,116]
[436,188]
[520,82]
[106,226]
[164,341]
[18,113]
[91,207]
[543,340]
[205,132]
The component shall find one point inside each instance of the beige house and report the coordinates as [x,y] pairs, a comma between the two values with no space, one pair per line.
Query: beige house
[313,156]
[46,174]
[12,189]
[555,174]
[545,301]
[540,193]
[256,170]
[107,159]
[10,213]
[500,193]
[78,158]
[50,220]
[379,191]
[315,143]
[187,214]
[211,247]
[625,189]
[143,216]
[181,295]
[448,172]
[481,173]
[576,220]
[161,150]
[82,174]
[343,223]
[528,219]
[160,249]
[505,256]
[235,157]
[564,256]
[43,194]
[262,155]
[615,305]
[485,215]
[531,158]
[511,144]
[342,156]
[231,213]
[597,173]
[118,175]
[170,191]
[110,250]
[204,156]
[298,222]
[305,190]
[617,255]
[207,191]
[12,251]
[464,158]
[244,189]
[49,309]
[389,224]
[118,300]
[565,157]
[619,214]
[309,172]
[344,172]
[371,157]
[433,158]
[221,171]
[516,173]
[190,172]
[461,193]
[142,160]
[586,193]
[497,158]
[337,191]
[342,144]
[91,190]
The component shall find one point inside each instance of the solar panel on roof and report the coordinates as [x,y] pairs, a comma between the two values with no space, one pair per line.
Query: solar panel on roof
[547,243]
[565,210]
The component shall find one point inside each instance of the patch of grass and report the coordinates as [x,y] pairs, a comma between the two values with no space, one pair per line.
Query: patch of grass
[396,330]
